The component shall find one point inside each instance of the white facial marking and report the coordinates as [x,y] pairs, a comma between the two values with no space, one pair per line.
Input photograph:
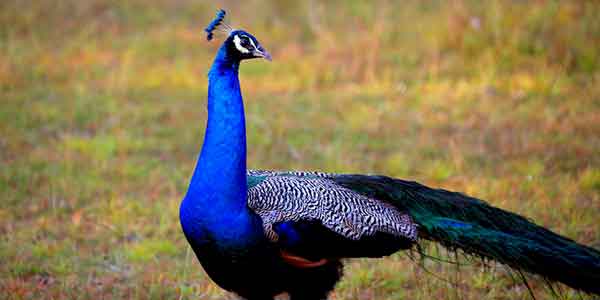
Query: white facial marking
[253,45]
[238,44]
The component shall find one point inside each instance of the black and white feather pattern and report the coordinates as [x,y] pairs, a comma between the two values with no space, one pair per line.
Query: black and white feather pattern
[295,196]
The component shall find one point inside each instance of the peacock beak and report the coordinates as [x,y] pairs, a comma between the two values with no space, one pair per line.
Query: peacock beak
[267,55]
[262,53]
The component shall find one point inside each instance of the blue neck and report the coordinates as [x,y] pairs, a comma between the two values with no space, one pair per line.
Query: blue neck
[219,181]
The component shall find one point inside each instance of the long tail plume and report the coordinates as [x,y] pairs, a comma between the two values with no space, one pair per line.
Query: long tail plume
[461,222]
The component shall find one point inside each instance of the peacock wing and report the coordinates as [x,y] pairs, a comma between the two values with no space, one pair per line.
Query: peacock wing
[309,214]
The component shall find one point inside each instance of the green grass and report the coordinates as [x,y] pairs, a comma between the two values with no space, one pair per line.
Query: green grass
[103,106]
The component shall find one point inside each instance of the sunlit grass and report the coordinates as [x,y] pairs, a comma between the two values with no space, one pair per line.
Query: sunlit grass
[103,107]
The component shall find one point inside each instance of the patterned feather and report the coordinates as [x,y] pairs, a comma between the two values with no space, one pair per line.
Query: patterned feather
[454,220]
[296,196]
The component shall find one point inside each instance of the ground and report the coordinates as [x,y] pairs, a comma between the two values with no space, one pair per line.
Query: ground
[103,108]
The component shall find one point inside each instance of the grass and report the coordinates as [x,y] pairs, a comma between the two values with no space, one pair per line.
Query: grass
[103,107]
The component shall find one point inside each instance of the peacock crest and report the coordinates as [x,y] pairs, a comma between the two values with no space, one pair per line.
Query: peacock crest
[218,24]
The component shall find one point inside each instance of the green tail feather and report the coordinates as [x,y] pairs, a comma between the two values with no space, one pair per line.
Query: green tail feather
[461,222]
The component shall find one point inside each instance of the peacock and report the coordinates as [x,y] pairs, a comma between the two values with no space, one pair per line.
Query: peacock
[261,233]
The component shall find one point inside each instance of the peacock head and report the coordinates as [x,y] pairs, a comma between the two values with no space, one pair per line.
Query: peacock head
[239,43]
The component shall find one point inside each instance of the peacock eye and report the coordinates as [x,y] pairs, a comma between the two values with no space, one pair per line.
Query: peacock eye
[246,43]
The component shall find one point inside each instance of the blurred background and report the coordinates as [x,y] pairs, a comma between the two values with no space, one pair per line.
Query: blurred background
[102,115]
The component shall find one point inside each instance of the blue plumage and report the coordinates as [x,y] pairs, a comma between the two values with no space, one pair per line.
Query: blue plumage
[219,18]
[261,233]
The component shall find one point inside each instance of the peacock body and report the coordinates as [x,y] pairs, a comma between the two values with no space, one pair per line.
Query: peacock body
[262,233]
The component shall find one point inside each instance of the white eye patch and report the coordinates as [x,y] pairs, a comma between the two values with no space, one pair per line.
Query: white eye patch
[238,44]
[252,42]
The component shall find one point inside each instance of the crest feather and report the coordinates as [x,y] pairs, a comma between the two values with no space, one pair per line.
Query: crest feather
[217,23]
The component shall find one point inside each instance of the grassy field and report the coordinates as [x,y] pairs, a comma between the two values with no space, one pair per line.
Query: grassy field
[103,109]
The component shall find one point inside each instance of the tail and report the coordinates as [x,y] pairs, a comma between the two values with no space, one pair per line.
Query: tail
[461,222]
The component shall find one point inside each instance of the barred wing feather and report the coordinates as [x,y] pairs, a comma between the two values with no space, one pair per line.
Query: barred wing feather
[279,197]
